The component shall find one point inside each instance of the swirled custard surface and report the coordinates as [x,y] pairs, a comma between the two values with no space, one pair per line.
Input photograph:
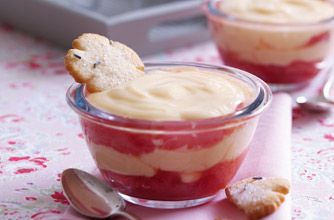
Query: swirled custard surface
[177,93]
[278,11]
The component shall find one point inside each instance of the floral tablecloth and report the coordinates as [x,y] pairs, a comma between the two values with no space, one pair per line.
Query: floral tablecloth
[39,134]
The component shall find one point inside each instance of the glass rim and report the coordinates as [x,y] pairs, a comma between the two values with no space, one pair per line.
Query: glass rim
[261,100]
[211,10]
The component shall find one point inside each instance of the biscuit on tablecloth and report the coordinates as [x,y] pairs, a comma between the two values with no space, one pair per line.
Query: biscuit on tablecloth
[258,196]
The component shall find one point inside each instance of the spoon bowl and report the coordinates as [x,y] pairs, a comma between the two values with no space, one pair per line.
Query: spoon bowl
[328,91]
[91,197]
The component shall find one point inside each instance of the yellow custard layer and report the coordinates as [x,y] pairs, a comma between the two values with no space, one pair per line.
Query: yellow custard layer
[185,93]
[278,11]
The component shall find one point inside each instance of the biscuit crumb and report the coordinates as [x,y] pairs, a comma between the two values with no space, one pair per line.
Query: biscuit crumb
[77,56]
[95,64]
[257,178]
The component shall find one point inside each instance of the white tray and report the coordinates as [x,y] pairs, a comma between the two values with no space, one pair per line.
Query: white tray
[148,26]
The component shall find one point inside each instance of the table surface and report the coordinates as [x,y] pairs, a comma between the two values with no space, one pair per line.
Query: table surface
[39,133]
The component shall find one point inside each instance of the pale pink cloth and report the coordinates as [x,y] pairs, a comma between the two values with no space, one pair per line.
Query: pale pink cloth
[269,155]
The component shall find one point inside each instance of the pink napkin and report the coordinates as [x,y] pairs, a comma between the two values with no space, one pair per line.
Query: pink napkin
[269,155]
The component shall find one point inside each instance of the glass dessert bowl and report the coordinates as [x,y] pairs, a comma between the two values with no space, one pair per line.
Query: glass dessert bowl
[173,163]
[285,43]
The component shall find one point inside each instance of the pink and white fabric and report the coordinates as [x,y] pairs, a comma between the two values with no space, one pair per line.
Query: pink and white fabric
[40,136]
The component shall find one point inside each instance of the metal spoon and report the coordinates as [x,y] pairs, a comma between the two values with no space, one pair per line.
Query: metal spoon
[314,105]
[91,197]
[328,90]
[321,104]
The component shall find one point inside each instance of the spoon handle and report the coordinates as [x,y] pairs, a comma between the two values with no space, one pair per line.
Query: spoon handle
[329,86]
[124,214]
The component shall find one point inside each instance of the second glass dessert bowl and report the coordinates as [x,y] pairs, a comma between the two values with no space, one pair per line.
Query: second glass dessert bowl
[171,164]
[286,55]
